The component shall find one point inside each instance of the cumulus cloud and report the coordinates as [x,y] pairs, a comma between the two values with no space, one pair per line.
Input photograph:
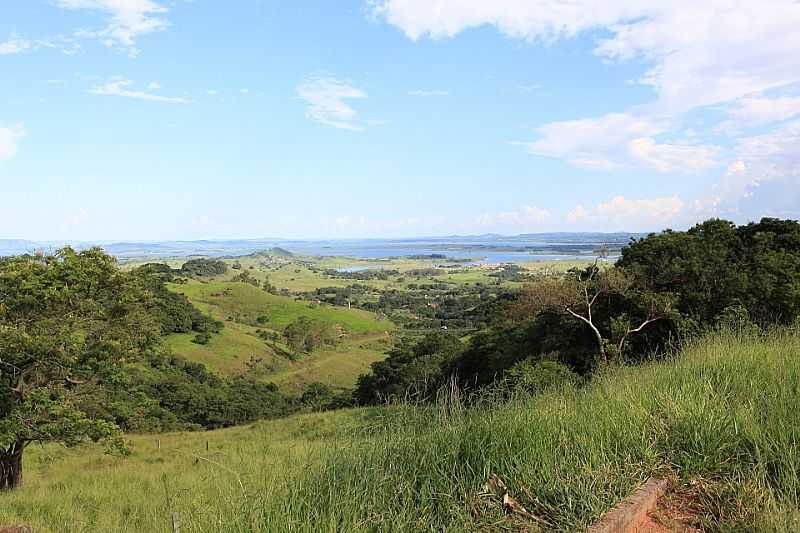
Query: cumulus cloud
[128,19]
[9,138]
[627,213]
[528,216]
[327,102]
[121,88]
[764,177]
[594,143]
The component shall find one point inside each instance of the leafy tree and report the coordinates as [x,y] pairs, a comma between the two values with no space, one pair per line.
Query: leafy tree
[410,368]
[69,325]
[578,295]
[716,265]
[204,267]
[306,334]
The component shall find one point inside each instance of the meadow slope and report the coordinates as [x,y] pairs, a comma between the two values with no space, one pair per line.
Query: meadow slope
[240,305]
[721,418]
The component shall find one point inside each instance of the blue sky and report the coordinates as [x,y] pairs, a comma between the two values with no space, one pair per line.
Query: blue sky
[155,119]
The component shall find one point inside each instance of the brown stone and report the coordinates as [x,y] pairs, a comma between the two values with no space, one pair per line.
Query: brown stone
[16,529]
[631,513]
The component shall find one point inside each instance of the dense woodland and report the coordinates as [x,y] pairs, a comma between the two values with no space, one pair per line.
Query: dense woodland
[82,357]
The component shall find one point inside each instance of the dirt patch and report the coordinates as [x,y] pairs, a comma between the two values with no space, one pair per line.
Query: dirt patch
[677,511]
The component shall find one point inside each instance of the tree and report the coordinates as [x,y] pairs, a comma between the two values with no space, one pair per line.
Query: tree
[69,323]
[203,267]
[411,368]
[578,294]
[306,334]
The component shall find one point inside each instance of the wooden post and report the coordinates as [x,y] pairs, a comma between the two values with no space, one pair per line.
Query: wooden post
[206,445]
[158,443]
[176,523]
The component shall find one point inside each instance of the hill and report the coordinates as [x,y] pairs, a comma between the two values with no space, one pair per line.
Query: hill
[721,419]
[245,310]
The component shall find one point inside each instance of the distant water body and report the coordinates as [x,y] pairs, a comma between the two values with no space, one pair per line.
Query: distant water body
[477,249]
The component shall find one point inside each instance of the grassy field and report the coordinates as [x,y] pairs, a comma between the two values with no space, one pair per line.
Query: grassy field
[245,303]
[721,418]
[239,305]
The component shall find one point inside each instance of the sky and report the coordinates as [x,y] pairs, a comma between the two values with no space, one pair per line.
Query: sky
[204,119]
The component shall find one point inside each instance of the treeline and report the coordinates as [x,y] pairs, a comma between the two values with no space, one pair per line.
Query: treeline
[664,289]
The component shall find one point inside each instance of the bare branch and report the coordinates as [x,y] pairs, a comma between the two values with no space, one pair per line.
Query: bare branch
[635,330]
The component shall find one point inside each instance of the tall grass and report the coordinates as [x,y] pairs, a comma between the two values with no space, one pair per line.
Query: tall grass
[723,418]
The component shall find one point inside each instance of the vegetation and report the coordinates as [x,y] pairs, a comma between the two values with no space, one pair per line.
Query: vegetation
[307,334]
[720,417]
[681,360]
[667,288]
[204,267]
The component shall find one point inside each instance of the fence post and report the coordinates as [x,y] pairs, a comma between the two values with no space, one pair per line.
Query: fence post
[176,523]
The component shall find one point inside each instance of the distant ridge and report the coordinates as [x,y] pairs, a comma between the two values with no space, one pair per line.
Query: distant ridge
[553,242]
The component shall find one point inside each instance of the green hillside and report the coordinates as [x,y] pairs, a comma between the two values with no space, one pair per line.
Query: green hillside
[721,419]
[240,306]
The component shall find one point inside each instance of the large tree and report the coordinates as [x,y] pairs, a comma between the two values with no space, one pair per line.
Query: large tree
[69,323]
[579,294]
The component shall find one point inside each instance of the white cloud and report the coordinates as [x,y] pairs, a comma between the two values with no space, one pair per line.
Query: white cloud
[9,138]
[120,88]
[128,20]
[578,213]
[631,214]
[327,102]
[618,141]
[756,111]
[153,85]
[767,161]
[15,45]
[526,217]
[667,157]
[701,52]
[423,93]
[595,143]
[697,55]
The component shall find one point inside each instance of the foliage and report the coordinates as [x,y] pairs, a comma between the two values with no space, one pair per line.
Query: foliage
[69,325]
[535,377]
[307,334]
[171,310]
[411,369]
[203,267]
[716,265]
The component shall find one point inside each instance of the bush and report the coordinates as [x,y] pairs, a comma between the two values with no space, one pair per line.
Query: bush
[202,338]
